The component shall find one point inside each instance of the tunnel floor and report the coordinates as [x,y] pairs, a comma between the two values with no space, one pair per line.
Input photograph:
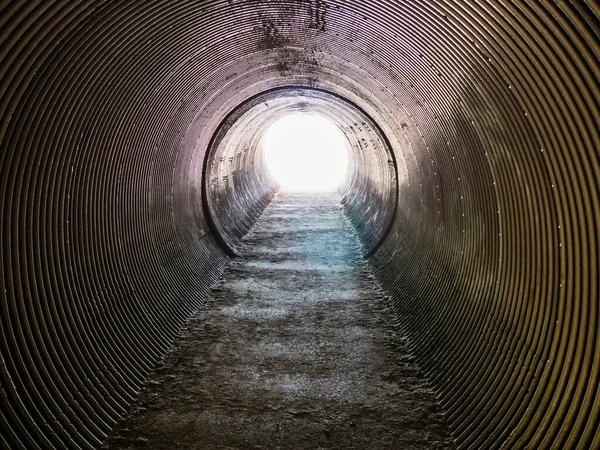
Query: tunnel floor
[296,349]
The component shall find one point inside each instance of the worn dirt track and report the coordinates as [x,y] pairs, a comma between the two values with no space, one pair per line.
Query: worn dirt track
[296,349]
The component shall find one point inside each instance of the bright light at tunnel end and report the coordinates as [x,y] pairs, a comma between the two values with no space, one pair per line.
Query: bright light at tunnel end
[306,153]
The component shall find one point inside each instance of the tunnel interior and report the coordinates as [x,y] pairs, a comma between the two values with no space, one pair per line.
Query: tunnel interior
[132,166]
[237,183]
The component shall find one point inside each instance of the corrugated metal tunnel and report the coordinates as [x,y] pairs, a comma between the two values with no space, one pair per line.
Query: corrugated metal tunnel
[131,166]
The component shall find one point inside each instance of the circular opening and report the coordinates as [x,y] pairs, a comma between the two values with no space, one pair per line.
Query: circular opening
[331,143]
[306,153]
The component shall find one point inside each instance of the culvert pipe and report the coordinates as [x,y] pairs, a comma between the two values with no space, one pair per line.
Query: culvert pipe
[490,110]
[237,184]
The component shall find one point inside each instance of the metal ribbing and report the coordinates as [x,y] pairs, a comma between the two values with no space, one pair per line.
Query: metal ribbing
[490,107]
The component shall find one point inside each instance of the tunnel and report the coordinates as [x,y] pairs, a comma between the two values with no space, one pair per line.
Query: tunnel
[132,167]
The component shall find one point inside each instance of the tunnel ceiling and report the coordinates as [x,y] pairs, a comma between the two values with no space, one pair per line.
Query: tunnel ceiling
[491,110]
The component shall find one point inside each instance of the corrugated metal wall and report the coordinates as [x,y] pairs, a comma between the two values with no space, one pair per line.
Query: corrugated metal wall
[491,109]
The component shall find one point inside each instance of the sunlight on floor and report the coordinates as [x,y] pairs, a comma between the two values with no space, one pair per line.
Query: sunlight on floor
[306,153]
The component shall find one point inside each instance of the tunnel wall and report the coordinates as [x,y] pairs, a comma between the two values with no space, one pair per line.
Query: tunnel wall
[491,110]
[236,181]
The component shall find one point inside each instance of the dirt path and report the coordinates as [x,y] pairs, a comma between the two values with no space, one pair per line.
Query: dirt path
[297,350]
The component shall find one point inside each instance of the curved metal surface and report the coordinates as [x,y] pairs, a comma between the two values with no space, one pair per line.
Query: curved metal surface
[491,109]
[237,185]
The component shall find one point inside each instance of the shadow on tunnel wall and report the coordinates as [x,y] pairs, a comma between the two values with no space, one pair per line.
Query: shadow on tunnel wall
[491,110]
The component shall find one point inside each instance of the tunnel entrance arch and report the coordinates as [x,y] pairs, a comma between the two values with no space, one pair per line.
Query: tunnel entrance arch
[236,182]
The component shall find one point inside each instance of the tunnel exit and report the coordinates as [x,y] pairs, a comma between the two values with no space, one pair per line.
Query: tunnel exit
[306,153]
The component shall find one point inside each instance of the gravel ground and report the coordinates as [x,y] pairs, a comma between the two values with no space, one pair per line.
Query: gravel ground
[296,349]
